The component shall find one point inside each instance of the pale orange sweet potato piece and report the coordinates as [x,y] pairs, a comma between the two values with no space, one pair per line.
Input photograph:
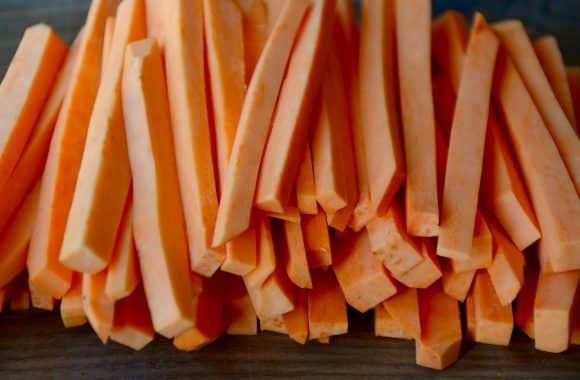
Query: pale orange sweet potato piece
[255,32]
[552,62]
[132,326]
[379,119]
[305,187]
[413,23]
[553,310]
[573,74]
[72,312]
[266,255]
[274,297]
[361,275]
[241,253]
[516,41]
[525,302]
[155,20]
[30,166]
[14,240]
[107,42]
[426,272]
[494,321]
[455,284]
[240,181]
[316,240]
[543,169]
[185,70]
[296,259]
[326,307]
[387,326]
[291,120]
[274,8]
[275,324]
[64,159]
[239,314]
[404,308]
[470,321]
[123,273]
[158,224]
[41,300]
[440,341]
[24,89]
[98,308]
[104,176]
[466,145]
[296,320]
[481,252]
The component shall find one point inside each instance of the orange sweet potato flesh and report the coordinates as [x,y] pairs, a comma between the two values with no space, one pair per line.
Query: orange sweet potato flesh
[326,307]
[274,8]
[185,70]
[239,314]
[524,314]
[379,125]
[296,260]
[494,321]
[413,22]
[543,169]
[41,300]
[104,176]
[64,159]
[266,255]
[552,62]
[15,239]
[316,240]
[573,74]
[98,308]
[155,20]
[241,253]
[305,187]
[291,119]
[290,213]
[440,341]
[296,320]
[481,251]
[30,165]
[450,39]
[240,181]
[158,224]
[255,32]
[426,272]
[470,321]
[71,305]
[404,308]
[553,308]
[107,42]
[466,144]
[276,325]
[456,285]
[123,273]
[516,41]
[274,297]
[387,326]
[132,326]
[361,275]
[507,269]
[24,90]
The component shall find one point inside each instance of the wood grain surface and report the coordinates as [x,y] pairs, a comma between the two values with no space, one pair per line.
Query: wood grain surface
[34,345]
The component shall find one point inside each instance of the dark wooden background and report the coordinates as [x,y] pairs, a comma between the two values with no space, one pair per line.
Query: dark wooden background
[35,345]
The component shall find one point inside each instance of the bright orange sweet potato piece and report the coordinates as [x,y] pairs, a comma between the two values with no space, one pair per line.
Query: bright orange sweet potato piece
[404,308]
[413,22]
[30,166]
[41,300]
[239,313]
[71,305]
[296,259]
[552,62]
[64,159]
[379,119]
[387,326]
[573,74]
[132,324]
[290,213]
[525,303]
[296,320]
[481,252]
[440,340]
[123,273]
[543,169]
[466,144]
[104,176]
[24,90]
[266,255]
[185,70]
[361,275]
[240,181]
[305,187]
[426,272]
[553,310]
[316,240]
[158,224]
[290,122]
[456,284]
[255,32]
[107,43]
[274,297]
[15,239]
[98,308]
[516,41]
[241,253]
[326,307]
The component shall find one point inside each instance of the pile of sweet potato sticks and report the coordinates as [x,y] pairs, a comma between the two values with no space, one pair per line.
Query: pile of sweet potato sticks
[198,168]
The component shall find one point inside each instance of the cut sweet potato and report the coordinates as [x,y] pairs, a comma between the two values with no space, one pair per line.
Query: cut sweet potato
[326,307]
[266,255]
[241,253]
[404,308]
[426,272]
[305,187]
[525,302]
[155,20]
[296,321]
[274,297]
[24,90]
[481,252]
[107,43]
[361,275]
[387,326]
[132,324]
[255,32]
[276,325]
[240,180]
[239,313]
[296,259]
[450,38]
[98,308]
[455,284]
[158,224]
[72,312]
[316,240]
[20,295]
[274,8]
[64,159]
[41,300]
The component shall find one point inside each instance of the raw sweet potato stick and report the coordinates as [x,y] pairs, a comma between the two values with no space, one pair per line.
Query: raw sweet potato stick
[316,240]
[404,308]
[107,42]
[239,313]
[456,285]
[296,321]
[104,176]
[387,326]
[132,324]
[98,308]
[326,307]
[158,224]
[41,300]
[255,32]
[240,181]
[266,256]
[297,267]
[305,187]
[424,274]
[481,252]
[524,313]
[71,305]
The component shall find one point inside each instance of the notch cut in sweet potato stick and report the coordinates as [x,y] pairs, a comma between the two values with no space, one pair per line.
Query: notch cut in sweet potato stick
[326,307]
